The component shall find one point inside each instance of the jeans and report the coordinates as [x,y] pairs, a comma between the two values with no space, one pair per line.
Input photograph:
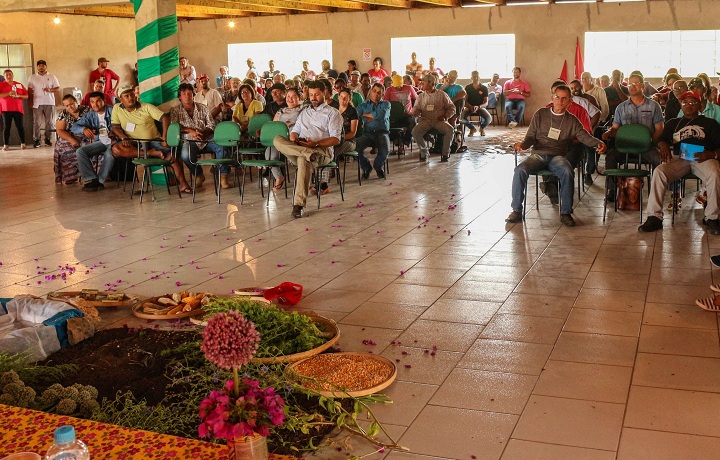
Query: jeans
[17,117]
[558,165]
[87,171]
[379,139]
[190,151]
[514,104]
[485,118]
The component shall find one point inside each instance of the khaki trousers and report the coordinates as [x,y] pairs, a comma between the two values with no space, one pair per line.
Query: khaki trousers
[300,156]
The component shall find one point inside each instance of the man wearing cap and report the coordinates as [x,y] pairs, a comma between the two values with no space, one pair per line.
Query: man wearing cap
[375,114]
[406,95]
[277,99]
[317,130]
[106,74]
[209,97]
[698,137]
[354,83]
[706,108]
[638,109]
[41,94]
[187,72]
[477,100]
[95,125]
[433,108]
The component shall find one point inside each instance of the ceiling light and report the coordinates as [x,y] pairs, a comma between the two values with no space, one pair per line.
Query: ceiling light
[526,3]
[231,23]
[56,20]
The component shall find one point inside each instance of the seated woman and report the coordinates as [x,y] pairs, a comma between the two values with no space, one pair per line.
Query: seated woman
[64,159]
[287,115]
[350,125]
[432,69]
[247,107]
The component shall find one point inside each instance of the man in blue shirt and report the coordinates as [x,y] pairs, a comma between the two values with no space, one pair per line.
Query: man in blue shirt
[317,130]
[95,125]
[375,115]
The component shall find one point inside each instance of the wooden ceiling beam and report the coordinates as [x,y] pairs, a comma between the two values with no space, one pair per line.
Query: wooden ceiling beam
[227,8]
[286,4]
[390,3]
[451,3]
[341,4]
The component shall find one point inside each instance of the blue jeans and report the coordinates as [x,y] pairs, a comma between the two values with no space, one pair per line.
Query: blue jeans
[558,165]
[87,171]
[190,151]
[514,104]
[378,139]
[485,118]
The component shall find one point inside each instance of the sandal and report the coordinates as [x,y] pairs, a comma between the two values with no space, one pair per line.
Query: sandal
[311,191]
[186,190]
[715,287]
[711,304]
[278,186]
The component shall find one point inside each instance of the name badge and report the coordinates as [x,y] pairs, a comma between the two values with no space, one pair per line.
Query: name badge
[554,133]
[676,138]
[130,128]
[430,107]
[103,132]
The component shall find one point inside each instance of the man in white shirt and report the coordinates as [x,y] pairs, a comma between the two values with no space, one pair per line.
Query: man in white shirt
[209,97]
[41,88]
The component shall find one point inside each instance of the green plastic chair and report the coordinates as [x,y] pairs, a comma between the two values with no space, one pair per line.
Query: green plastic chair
[173,135]
[256,123]
[630,139]
[269,131]
[397,113]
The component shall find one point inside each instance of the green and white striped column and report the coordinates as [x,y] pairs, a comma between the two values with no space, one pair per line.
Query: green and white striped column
[157,47]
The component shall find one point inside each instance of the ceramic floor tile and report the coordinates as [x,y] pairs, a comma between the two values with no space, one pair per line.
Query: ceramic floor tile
[420,365]
[679,315]
[559,269]
[441,335]
[603,299]
[506,356]
[548,285]
[368,282]
[571,422]
[463,434]
[616,281]
[604,322]
[395,455]
[384,315]
[537,305]
[486,391]
[336,300]
[479,290]
[682,276]
[520,328]
[383,265]
[445,262]
[680,412]
[461,311]
[678,372]
[366,339]
[593,382]
[679,341]
[658,445]
[638,266]
[595,349]
[408,294]
[518,449]
[408,400]
[430,276]
[495,274]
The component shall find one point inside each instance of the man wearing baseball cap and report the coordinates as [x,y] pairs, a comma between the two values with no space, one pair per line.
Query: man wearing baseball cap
[41,89]
[695,143]
[209,97]
[106,74]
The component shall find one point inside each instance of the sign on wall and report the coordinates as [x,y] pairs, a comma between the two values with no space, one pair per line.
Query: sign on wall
[367,54]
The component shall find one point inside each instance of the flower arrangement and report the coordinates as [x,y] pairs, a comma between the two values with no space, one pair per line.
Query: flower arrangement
[239,409]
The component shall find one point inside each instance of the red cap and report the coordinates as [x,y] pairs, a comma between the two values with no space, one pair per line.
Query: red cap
[692,94]
[203,77]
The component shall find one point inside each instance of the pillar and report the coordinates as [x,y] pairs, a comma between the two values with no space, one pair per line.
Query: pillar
[156,38]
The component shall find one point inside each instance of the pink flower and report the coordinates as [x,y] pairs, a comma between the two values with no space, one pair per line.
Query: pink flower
[178,283]
[229,340]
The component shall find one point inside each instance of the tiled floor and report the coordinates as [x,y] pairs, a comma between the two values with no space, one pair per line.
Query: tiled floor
[552,342]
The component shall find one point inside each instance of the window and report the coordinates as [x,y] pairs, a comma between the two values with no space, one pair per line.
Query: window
[288,56]
[653,53]
[488,54]
[18,58]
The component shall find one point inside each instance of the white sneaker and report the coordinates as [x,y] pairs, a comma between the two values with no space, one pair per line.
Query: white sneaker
[512,124]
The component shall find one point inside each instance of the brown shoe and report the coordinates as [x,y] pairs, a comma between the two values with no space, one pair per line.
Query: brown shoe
[514,218]
[472,132]
[224,181]
[297,211]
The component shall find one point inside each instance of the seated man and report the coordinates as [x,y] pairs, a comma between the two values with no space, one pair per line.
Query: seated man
[434,109]
[551,134]
[702,135]
[406,95]
[99,85]
[95,125]
[475,104]
[375,115]
[197,125]
[515,91]
[277,99]
[317,129]
[638,109]
[210,98]
[132,119]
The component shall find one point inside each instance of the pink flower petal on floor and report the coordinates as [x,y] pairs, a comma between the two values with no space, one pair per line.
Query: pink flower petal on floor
[468,232]
[220,277]
[178,283]
[402,272]
[121,235]
[312,252]
[280,265]
[330,205]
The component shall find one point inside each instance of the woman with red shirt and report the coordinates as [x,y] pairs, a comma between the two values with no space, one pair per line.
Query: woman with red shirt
[377,72]
[12,94]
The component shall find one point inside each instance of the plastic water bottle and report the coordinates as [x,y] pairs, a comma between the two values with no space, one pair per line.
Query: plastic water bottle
[66,447]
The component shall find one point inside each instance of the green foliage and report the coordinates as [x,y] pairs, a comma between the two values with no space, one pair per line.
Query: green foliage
[44,376]
[12,362]
[281,333]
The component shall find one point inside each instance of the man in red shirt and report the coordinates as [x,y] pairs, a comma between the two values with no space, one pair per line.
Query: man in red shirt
[515,91]
[106,74]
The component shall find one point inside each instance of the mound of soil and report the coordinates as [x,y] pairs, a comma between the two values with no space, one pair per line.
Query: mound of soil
[122,360]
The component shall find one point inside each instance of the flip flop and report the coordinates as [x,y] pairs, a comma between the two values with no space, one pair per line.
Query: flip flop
[278,187]
[186,190]
[715,260]
[711,304]
[715,287]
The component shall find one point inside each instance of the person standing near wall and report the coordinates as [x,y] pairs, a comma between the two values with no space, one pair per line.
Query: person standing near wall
[41,88]
[12,94]
[106,74]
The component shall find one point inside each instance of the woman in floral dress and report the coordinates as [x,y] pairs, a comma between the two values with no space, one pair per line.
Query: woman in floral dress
[65,161]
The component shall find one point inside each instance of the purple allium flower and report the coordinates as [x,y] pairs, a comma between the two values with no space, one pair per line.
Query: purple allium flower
[229,340]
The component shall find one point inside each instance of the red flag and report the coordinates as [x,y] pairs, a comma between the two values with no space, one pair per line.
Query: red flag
[579,65]
[563,74]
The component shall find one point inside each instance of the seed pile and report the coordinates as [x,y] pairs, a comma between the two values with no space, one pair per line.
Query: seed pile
[350,372]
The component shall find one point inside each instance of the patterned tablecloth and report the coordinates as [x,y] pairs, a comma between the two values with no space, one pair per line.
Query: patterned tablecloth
[24,430]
